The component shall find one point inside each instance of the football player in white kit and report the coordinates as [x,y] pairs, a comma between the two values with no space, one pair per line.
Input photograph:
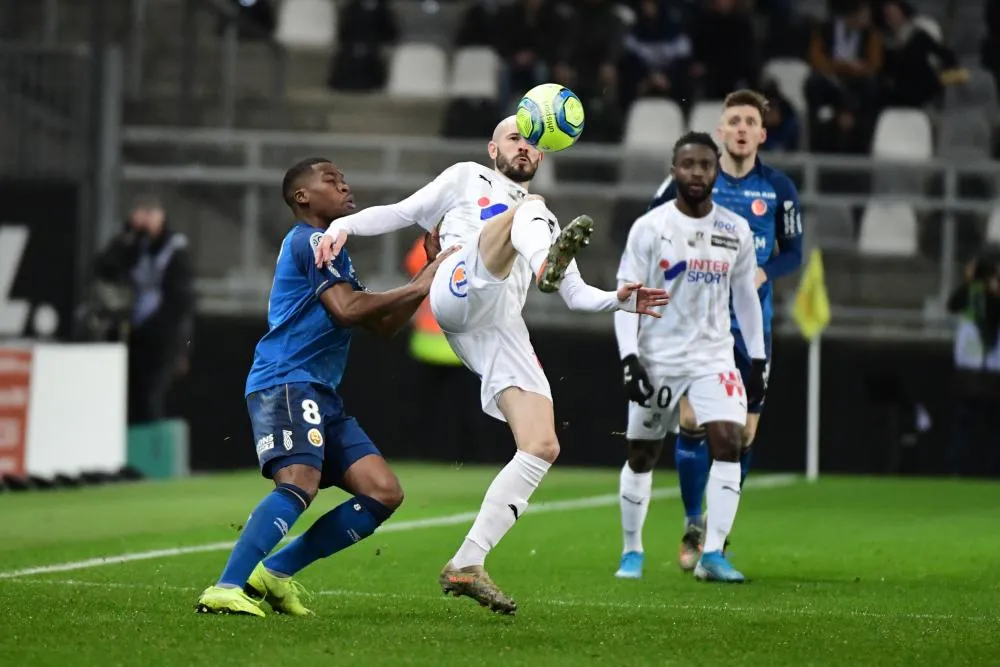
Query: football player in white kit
[507,237]
[701,253]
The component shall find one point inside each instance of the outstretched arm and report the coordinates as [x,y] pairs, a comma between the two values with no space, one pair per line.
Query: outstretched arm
[425,207]
[372,309]
[631,297]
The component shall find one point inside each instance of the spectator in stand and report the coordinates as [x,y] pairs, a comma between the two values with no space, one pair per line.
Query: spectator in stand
[587,61]
[657,54]
[591,45]
[479,24]
[725,50]
[990,48]
[917,66]
[842,92]
[364,29]
[524,40]
[780,121]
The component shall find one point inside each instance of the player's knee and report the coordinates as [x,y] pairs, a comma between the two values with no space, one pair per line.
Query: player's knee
[725,441]
[303,477]
[642,456]
[388,491]
[544,447]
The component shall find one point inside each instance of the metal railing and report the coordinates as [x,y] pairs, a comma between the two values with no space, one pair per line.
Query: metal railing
[255,161]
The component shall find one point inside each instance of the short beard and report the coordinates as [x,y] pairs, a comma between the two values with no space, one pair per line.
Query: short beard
[516,174]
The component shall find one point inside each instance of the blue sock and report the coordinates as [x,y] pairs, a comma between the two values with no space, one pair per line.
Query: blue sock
[347,523]
[269,522]
[745,458]
[691,458]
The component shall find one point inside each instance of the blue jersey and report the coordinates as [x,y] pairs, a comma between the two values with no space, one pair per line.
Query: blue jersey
[303,343]
[768,200]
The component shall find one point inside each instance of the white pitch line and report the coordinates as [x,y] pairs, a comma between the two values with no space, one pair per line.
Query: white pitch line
[759,481]
[595,604]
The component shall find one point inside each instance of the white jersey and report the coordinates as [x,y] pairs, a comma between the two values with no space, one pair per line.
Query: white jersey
[463,198]
[700,262]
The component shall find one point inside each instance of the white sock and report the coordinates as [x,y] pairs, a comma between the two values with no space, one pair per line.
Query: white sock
[722,496]
[530,233]
[635,488]
[505,501]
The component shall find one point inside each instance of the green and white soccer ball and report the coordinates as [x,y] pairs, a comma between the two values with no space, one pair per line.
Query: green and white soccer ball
[550,117]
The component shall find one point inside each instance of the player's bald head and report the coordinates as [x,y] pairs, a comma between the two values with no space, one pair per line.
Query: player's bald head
[504,127]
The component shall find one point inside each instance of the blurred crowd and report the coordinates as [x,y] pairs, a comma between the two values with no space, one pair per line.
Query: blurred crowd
[866,55]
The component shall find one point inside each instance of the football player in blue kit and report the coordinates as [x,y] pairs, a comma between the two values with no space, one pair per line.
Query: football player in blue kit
[768,200]
[305,440]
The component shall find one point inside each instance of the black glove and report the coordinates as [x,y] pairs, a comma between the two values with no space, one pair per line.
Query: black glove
[756,384]
[637,384]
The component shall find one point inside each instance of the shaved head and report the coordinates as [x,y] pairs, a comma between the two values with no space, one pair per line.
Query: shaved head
[511,153]
[504,127]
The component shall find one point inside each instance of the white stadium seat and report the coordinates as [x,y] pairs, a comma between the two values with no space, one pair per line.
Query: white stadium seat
[475,73]
[888,228]
[705,117]
[653,124]
[417,71]
[993,226]
[904,134]
[790,74]
[307,24]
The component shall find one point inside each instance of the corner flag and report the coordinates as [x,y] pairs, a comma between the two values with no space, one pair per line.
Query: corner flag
[812,307]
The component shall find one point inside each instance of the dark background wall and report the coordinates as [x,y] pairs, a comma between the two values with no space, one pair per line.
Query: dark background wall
[869,394]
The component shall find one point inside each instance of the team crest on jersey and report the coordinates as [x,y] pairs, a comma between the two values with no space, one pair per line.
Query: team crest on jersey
[488,210]
[671,271]
[458,283]
[758,207]
[315,437]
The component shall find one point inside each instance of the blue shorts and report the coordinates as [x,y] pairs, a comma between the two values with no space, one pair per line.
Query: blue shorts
[305,423]
[742,358]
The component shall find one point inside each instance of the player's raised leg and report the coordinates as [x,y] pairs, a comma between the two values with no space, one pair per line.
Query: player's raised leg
[691,459]
[527,230]
[532,422]
[377,494]
[635,488]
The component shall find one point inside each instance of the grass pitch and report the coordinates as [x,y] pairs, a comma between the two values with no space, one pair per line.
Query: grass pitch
[846,571]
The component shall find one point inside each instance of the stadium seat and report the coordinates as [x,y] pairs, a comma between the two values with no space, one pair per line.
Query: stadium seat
[653,125]
[307,25]
[964,134]
[979,92]
[888,228]
[790,74]
[831,227]
[993,226]
[705,116]
[417,71]
[475,73]
[903,134]
[545,178]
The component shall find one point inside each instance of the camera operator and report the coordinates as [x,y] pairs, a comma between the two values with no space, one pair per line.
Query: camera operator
[976,388]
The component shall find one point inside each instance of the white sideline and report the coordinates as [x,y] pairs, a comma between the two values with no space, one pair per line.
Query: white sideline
[758,481]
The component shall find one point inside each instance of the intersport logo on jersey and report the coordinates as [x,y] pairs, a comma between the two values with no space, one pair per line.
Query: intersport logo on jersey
[708,271]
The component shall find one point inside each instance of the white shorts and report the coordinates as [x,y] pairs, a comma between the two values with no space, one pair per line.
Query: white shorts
[481,317]
[715,397]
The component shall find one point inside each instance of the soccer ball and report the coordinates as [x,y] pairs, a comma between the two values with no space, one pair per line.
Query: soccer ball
[550,117]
